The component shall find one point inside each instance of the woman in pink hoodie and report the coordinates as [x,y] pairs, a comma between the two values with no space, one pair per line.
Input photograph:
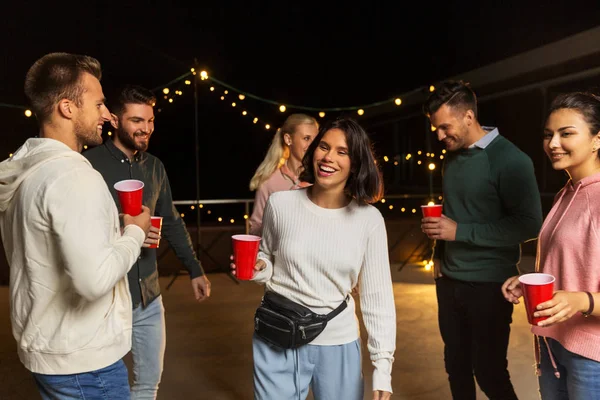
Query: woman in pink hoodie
[568,342]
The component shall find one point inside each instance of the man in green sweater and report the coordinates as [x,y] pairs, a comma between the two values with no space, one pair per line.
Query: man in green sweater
[491,205]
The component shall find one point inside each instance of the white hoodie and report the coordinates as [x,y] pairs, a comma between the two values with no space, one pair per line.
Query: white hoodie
[70,302]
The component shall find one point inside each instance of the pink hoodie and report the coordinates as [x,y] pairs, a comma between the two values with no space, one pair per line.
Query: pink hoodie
[569,249]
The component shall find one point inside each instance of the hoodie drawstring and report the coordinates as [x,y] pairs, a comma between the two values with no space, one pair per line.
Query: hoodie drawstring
[538,370]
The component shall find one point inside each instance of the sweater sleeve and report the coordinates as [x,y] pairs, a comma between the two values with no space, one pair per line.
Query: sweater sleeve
[268,244]
[378,307]
[83,218]
[520,197]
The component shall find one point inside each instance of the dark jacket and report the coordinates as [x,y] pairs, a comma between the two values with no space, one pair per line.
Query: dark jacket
[114,166]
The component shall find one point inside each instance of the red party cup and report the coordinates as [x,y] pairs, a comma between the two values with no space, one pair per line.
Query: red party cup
[130,196]
[245,250]
[432,211]
[157,223]
[537,288]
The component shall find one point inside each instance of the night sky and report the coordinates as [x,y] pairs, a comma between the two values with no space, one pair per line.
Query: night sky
[306,53]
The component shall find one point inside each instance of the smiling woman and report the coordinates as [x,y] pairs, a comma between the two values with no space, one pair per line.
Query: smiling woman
[568,249]
[318,244]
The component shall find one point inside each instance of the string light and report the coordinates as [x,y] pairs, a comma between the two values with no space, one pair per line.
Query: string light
[184,79]
[389,206]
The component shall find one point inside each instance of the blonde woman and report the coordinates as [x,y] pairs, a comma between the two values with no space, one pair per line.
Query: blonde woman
[282,164]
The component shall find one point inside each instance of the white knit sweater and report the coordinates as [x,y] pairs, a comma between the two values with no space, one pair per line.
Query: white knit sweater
[315,256]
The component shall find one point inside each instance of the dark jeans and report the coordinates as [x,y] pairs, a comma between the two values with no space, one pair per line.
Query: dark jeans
[474,321]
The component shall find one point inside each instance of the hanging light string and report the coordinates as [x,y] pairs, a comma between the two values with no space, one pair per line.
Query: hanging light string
[282,107]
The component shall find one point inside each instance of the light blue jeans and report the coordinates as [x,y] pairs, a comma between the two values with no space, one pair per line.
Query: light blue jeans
[579,376]
[109,383]
[332,372]
[148,349]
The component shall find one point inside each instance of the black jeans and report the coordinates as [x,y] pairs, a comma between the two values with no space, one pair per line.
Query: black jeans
[474,321]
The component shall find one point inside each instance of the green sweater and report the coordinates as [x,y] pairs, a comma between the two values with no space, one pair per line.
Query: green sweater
[493,196]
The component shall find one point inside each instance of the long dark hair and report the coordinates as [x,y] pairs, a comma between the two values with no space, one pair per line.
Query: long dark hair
[365,183]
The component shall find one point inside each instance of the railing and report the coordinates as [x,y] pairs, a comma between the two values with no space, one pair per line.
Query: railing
[247,202]
[419,249]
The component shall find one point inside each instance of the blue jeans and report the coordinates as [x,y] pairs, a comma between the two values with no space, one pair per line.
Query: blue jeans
[148,349]
[332,372]
[110,383]
[579,376]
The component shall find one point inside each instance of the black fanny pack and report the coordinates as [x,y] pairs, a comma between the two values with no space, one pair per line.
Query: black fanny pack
[286,324]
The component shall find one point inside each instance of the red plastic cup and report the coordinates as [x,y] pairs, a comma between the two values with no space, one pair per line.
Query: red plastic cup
[432,211]
[130,193]
[537,288]
[157,223]
[245,250]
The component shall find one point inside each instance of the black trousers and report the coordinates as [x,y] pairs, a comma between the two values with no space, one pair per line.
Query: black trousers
[474,320]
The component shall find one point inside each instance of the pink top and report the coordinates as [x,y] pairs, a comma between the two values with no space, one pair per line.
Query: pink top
[281,179]
[569,249]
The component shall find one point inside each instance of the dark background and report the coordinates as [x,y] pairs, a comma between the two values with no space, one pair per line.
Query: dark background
[318,54]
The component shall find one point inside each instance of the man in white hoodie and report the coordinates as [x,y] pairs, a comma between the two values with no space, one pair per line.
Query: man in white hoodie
[70,302]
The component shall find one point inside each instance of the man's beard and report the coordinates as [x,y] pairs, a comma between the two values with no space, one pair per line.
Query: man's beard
[87,136]
[129,141]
